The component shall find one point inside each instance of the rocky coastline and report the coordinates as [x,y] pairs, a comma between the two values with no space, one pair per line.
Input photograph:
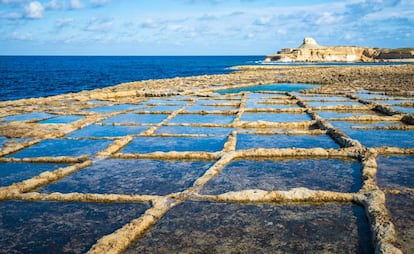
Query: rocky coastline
[388,79]
[125,102]
[311,51]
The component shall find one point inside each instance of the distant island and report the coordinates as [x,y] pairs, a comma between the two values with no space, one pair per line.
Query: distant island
[311,51]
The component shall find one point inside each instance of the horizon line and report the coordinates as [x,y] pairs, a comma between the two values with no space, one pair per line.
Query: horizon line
[214,55]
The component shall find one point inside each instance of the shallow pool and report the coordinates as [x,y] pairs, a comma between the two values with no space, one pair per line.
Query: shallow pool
[193,130]
[60,227]
[29,117]
[119,107]
[283,87]
[378,138]
[324,98]
[250,141]
[62,147]
[3,141]
[109,131]
[202,119]
[13,172]
[406,110]
[275,117]
[205,227]
[178,144]
[133,118]
[198,108]
[272,175]
[401,210]
[61,120]
[343,114]
[334,103]
[395,171]
[162,108]
[144,177]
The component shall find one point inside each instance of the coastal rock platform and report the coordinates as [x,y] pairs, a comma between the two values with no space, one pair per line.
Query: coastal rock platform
[190,165]
[311,51]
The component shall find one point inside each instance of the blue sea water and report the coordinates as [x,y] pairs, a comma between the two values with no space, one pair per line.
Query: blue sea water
[40,76]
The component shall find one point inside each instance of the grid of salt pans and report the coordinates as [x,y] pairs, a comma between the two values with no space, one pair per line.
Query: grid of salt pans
[165,158]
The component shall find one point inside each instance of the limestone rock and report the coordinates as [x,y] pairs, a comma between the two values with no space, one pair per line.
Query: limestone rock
[309,43]
[311,51]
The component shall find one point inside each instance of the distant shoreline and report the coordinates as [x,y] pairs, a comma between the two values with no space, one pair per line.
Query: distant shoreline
[311,51]
[333,79]
[408,60]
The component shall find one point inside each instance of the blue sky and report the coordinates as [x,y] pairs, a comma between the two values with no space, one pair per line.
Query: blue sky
[198,27]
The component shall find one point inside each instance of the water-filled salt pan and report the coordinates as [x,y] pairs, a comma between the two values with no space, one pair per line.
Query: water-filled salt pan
[62,147]
[28,117]
[275,117]
[144,177]
[193,130]
[287,174]
[284,87]
[204,227]
[333,103]
[120,107]
[101,131]
[60,227]
[202,119]
[342,114]
[395,171]
[13,172]
[250,141]
[133,118]
[378,138]
[401,209]
[61,120]
[404,109]
[178,144]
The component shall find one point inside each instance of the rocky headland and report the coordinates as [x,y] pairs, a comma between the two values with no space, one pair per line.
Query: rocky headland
[311,51]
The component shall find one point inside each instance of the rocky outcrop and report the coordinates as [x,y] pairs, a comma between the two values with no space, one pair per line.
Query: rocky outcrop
[310,51]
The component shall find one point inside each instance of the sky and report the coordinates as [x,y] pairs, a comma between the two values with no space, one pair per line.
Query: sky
[198,27]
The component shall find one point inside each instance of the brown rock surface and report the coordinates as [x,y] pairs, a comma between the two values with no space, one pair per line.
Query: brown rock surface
[310,51]
[335,82]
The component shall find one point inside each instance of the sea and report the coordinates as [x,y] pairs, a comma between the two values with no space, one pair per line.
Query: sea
[42,76]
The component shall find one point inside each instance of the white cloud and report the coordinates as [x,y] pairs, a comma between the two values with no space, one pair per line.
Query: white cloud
[205,1]
[349,36]
[13,15]
[263,21]
[99,24]
[249,36]
[11,1]
[34,10]
[259,27]
[60,23]
[149,23]
[281,31]
[207,17]
[328,18]
[56,5]
[21,37]
[99,2]
[76,4]
[390,14]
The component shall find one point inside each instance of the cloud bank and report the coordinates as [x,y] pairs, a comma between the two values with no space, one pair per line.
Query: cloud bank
[201,26]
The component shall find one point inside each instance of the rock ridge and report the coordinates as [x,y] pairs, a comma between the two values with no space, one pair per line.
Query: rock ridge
[311,51]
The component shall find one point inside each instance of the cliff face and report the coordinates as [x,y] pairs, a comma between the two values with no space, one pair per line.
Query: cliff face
[310,51]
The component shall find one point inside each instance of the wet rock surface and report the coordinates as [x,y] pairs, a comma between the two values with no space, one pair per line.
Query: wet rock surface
[204,227]
[178,165]
[401,211]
